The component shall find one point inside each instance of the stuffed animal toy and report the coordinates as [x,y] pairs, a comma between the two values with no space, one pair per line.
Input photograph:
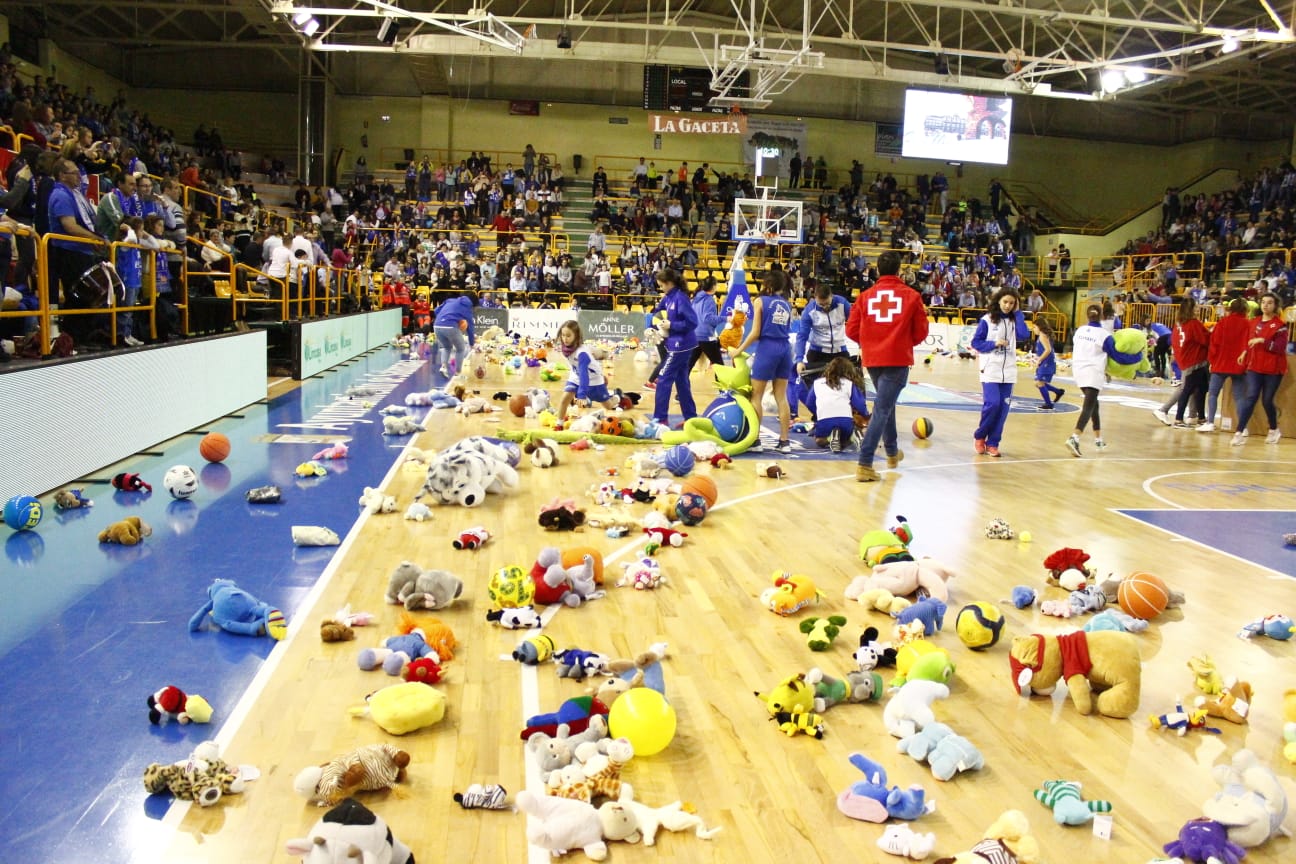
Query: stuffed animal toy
[944,752]
[466,472]
[1208,680]
[820,632]
[1232,704]
[999,529]
[883,601]
[792,695]
[264,495]
[1205,840]
[1087,599]
[1066,559]
[801,723]
[1289,727]
[599,767]
[403,708]
[394,411]
[659,537]
[71,499]
[1104,661]
[1007,841]
[337,451]
[128,532]
[732,333]
[478,797]
[561,515]
[905,842]
[909,710]
[1022,597]
[350,832]
[401,425]
[519,618]
[236,611]
[1114,619]
[538,402]
[790,594]
[920,660]
[770,471]
[534,651]
[563,824]
[203,778]
[857,687]
[871,653]
[1056,608]
[579,664]
[416,588]
[473,538]
[418,512]
[311,469]
[433,398]
[543,452]
[410,644]
[556,584]
[368,768]
[127,482]
[360,391]
[925,577]
[930,611]
[374,501]
[721,460]
[1111,590]
[474,405]
[1251,803]
[882,546]
[631,821]
[172,703]
[552,753]
[643,574]
[869,800]
[1278,627]
[314,535]
[1063,798]
[423,670]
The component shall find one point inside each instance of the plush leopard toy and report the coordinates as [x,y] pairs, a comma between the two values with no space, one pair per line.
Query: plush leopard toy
[202,777]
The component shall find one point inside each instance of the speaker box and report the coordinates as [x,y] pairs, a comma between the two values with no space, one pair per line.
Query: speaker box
[388,31]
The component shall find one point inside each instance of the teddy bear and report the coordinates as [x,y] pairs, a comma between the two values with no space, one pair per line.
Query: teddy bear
[416,588]
[631,821]
[946,753]
[1007,841]
[127,532]
[401,425]
[563,824]
[925,577]
[910,708]
[350,832]
[374,501]
[1251,802]
[71,499]
[368,768]
[1105,661]
[901,840]
[561,515]
[857,687]
[236,611]
[555,752]
[543,452]
[1232,704]
[314,535]
[203,777]
[869,800]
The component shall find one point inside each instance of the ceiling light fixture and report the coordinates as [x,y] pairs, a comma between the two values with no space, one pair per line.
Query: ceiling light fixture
[1228,45]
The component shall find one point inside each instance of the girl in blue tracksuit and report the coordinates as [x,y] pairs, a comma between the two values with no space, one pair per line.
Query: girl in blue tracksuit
[453,326]
[586,382]
[681,339]
[995,340]
[1046,365]
[835,398]
[771,327]
[709,319]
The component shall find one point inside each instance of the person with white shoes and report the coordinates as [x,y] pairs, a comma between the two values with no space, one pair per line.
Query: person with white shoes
[1227,345]
[1190,343]
[1266,363]
[1091,347]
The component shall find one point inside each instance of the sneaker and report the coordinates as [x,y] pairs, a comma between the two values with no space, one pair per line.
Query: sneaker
[1100,444]
[650,385]
[895,459]
[866,474]
[1206,427]
[1273,437]
[1073,444]
[1161,415]
[758,447]
[444,372]
[978,444]
[835,441]
[1044,407]
[1246,433]
[1061,393]
[992,451]
[783,447]
[1239,439]
[132,341]
[1179,424]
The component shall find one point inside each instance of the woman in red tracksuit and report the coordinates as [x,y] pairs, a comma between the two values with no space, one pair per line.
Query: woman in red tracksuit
[1227,344]
[396,294]
[421,309]
[1190,342]
[1266,363]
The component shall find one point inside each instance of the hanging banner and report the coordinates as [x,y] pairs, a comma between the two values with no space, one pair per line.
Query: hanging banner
[697,124]
[888,139]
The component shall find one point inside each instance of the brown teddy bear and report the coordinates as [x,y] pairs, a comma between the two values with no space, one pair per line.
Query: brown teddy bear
[1106,661]
[127,532]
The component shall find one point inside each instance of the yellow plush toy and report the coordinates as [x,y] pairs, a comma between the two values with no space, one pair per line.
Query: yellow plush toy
[1289,728]
[791,593]
[1106,661]
[1007,841]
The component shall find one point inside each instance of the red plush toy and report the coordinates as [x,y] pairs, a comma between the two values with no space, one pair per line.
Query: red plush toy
[130,483]
[721,460]
[1067,559]
[172,703]
[658,537]
[473,538]
[424,669]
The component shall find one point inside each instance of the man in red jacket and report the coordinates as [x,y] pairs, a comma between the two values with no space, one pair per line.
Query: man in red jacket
[887,321]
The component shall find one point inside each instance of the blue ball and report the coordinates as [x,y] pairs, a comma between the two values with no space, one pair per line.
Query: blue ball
[728,419]
[691,508]
[22,512]
[678,460]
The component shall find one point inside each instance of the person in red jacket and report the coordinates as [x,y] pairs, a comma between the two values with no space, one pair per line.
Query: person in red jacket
[887,321]
[1227,343]
[1190,342]
[421,309]
[1266,363]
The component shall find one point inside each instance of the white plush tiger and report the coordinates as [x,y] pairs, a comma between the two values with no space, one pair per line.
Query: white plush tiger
[373,766]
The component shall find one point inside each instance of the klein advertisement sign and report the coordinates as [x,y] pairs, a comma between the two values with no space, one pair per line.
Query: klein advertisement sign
[698,124]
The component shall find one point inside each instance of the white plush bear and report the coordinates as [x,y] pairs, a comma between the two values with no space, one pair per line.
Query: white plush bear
[910,709]
[314,535]
[631,821]
[900,839]
[1251,803]
[374,501]
[417,588]
[401,425]
[562,824]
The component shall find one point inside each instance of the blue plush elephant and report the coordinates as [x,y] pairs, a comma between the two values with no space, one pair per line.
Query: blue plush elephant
[869,800]
[236,611]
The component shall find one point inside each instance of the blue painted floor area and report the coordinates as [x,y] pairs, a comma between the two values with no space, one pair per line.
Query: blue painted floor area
[89,631]
[1252,535]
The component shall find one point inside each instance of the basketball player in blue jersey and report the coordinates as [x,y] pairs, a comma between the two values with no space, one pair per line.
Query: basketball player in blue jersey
[771,328]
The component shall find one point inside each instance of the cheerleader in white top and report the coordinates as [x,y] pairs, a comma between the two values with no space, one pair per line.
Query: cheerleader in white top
[1092,346]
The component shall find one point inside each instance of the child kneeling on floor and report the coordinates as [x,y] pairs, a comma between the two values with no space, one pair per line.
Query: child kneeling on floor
[835,398]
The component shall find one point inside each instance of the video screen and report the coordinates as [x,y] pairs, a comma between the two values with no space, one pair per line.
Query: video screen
[956,127]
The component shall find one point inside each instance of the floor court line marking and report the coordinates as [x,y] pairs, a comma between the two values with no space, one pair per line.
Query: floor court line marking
[1270,573]
[1150,480]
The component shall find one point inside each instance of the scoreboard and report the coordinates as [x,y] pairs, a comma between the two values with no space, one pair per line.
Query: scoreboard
[683,89]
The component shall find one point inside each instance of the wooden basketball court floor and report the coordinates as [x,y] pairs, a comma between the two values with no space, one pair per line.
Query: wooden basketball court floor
[774,796]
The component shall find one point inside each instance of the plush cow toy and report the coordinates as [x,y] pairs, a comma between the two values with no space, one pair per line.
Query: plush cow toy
[347,834]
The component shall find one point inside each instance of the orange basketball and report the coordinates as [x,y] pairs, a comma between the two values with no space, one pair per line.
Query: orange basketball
[1143,595]
[463,325]
[214,447]
[575,555]
[701,484]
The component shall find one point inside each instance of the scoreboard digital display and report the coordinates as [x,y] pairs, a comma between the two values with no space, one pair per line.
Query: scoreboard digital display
[683,89]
